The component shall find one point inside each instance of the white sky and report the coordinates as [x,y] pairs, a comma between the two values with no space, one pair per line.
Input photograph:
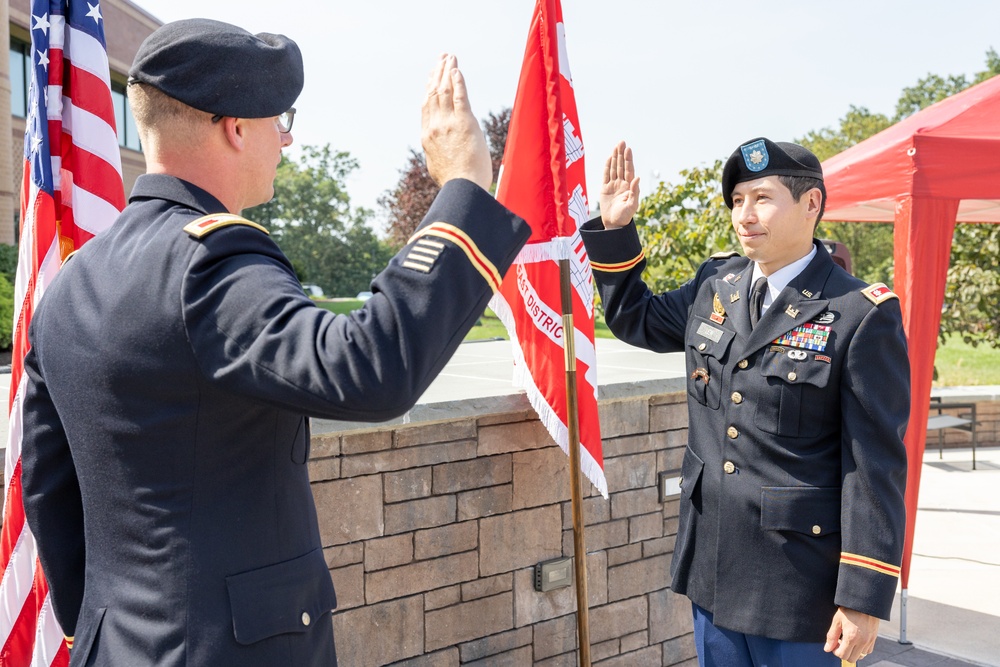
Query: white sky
[684,82]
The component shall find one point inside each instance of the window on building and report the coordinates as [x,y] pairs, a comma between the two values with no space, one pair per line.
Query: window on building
[20,62]
[128,134]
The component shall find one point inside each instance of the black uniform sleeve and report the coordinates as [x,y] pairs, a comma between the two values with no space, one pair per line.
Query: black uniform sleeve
[875,400]
[51,496]
[254,332]
[633,313]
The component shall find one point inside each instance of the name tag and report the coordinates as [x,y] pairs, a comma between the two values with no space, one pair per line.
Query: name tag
[708,331]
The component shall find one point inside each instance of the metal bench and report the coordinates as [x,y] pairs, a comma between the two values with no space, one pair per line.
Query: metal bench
[963,421]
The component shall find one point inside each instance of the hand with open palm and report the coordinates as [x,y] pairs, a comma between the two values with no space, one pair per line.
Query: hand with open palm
[620,188]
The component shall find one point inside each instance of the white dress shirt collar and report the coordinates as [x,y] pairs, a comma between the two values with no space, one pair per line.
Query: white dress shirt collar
[778,280]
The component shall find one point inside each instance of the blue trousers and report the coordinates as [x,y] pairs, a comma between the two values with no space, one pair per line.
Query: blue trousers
[718,647]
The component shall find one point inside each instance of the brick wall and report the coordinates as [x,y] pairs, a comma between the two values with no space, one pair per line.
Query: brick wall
[987,428]
[432,531]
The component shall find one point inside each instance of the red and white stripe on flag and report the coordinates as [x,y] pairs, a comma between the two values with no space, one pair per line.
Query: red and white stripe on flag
[542,180]
[72,190]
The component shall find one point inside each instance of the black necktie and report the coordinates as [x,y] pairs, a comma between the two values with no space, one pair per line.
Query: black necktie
[757,299]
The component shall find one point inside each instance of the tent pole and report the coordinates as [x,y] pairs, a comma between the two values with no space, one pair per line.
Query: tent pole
[902,618]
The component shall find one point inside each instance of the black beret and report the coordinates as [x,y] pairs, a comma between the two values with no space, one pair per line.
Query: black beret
[762,157]
[220,68]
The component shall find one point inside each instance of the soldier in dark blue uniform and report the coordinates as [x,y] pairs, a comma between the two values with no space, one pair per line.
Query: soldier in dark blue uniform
[791,512]
[175,362]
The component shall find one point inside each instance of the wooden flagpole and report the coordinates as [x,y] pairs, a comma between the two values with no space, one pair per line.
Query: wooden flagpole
[573,443]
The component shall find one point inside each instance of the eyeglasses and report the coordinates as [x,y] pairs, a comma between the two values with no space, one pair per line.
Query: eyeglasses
[283,120]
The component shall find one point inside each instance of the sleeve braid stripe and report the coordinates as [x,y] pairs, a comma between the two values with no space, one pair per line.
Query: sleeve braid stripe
[617,268]
[479,261]
[869,563]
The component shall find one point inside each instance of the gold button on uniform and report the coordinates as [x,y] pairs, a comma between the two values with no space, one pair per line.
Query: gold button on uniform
[743,364]
[737,397]
[817,530]
[729,467]
[792,376]
[732,432]
[305,618]
[702,346]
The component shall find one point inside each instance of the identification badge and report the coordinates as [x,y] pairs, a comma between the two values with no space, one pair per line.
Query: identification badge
[709,332]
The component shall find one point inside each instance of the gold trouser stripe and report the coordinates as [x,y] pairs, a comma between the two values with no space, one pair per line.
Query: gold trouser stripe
[479,261]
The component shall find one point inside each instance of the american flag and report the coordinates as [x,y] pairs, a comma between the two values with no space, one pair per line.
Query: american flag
[72,190]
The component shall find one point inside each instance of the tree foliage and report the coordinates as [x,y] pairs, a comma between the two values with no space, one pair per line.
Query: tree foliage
[408,203]
[311,219]
[680,225]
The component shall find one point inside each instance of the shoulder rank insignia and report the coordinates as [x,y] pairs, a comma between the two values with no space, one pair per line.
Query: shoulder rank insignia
[725,254]
[205,225]
[878,292]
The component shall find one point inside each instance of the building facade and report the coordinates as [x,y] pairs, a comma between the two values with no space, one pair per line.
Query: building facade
[125,27]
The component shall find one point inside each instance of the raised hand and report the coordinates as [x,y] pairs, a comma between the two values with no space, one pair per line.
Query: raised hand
[453,142]
[620,188]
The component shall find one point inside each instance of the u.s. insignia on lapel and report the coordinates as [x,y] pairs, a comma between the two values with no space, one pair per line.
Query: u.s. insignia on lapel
[718,312]
[808,336]
[423,254]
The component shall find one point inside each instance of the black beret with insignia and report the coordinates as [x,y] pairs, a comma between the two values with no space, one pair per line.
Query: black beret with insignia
[762,157]
[220,68]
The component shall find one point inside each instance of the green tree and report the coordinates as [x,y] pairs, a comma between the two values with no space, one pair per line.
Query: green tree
[310,217]
[680,225]
[871,245]
[408,202]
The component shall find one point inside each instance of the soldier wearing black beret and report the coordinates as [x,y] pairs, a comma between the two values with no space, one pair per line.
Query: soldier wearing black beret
[175,361]
[791,511]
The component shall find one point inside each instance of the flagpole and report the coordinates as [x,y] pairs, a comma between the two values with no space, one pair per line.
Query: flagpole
[573,443]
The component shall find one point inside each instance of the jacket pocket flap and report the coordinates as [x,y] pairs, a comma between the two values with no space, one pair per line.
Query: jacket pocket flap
[809,510]
[804,371]
[277,599]
[710,339]
[690,473]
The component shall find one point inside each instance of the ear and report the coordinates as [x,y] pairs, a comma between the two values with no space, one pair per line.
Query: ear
[235,132]
[814,202]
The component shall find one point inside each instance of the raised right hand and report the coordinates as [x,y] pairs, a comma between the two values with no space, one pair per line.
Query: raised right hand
[453,142]
[619,189]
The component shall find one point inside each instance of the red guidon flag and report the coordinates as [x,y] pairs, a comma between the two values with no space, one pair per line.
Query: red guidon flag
[72,190]
[542,180]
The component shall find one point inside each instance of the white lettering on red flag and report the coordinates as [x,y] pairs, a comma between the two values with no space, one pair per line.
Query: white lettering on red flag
[72,190]
[543,181]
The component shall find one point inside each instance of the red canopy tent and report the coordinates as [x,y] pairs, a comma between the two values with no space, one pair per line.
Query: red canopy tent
[937,167]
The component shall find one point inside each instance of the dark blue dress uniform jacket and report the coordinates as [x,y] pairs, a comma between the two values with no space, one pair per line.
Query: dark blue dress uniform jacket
[165,430]
[793,477]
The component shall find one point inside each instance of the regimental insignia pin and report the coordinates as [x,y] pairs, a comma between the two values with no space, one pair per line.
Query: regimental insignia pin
[718,312]
[807,294]
[755,156]
[729,277]
[792,312]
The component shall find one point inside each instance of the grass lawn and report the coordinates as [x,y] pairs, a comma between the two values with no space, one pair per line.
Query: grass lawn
[957,364]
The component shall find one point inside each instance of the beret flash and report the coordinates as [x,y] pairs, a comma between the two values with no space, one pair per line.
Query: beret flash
[221,69]
[762,157]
